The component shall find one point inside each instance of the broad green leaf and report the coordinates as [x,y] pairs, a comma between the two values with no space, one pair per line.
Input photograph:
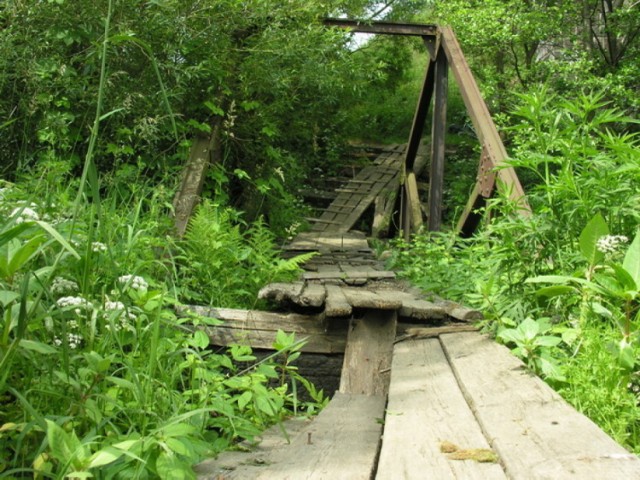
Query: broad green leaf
[244,399]
[200,339]
[25,253]
[548,341]
[625,279]
[529,328]
[104,457]
[595,229]
[631,261]
[178,446]
[510,335]
[558,279]
[59,442]
[121,382]
[178,430]
[7,296]
[169,467]
[555,290]
[38,347]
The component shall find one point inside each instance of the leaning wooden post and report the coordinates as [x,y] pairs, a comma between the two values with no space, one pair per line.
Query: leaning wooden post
[438,133]
[204,152]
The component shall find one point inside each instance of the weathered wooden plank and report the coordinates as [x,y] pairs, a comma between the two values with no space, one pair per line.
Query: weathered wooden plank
[409,330]
[259,320]
[422,310]
[438,134]
[365,274]
[280,292]
[341,443]
[313,295]
[250,457]
[367,357]
[362,298]
[457,311]
[324,342]
[384,206]
[336,305]
[534,431]
[426,408]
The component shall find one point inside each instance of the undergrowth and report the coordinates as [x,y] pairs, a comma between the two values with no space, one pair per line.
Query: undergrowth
[562,286]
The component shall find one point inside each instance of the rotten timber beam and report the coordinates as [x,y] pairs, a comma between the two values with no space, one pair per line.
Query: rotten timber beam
[388,28]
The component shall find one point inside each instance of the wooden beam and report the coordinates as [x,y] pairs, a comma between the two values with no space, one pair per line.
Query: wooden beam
[385,28]
[438,134]
[482,122]
[367,358]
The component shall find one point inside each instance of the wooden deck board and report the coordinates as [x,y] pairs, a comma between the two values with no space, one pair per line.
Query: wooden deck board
[534,431]
[425,408]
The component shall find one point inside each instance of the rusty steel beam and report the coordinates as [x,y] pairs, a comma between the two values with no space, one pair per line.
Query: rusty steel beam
[386,28]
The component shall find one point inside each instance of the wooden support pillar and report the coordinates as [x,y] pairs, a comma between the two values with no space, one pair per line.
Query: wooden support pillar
[412,217]
[438,134]
[367,360]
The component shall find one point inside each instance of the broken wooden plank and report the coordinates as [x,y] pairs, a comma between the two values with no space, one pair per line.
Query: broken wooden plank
[362,298]
[259,320]
[313,295]
[281,292]
[367,357]
[336,305]
[407,331]
[314,342]
[425,409]
[457,311]
[534,431]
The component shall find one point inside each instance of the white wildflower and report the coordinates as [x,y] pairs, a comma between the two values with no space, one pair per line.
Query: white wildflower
[74,340]
[278,171]
[124,316]
[25,214]
[78,302]
[61,285]
[57,342]
[98,247]
[610,243]
[133,281]
[72,324]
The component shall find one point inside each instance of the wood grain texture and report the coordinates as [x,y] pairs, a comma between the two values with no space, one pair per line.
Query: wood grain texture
[425,408]
[341,443]
[336,304]
[367,358]
[534,431]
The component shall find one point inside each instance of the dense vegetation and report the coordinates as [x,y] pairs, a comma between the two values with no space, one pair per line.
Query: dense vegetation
[99,102]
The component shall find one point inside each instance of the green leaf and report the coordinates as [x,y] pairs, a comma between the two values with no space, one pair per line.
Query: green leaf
[529,328]
[200,339]
[59,238]
[558,279]
[595,229]
[7,296]
[548,341]
[178,430]
[555,291]
[104,457]
[631,261]
[38,347]
[59,442]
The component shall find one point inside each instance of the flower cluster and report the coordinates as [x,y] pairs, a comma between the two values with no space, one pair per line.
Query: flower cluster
[79,304]
[118,312]
[73,340]
[133,281]
[98,247]
[25,214]
[610,243]
[61,286]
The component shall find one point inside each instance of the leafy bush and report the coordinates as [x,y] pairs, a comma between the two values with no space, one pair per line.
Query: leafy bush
[97,374]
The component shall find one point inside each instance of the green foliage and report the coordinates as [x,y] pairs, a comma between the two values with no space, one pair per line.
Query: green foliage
[221,264]
[98,377]
[561,286]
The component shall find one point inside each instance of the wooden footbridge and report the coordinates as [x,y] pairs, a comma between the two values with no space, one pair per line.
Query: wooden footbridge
[422,394]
